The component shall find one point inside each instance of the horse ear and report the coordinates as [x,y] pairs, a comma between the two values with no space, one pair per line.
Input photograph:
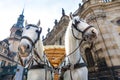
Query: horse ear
[38,23]
[26,23]
[71,16]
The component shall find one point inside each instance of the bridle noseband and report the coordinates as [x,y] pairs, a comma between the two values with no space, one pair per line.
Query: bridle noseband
[29,39]
[83,32]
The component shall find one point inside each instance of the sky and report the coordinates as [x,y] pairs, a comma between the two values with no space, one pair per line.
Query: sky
[44,10]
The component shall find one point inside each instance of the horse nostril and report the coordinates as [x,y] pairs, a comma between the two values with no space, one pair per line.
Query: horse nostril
[28,46]
[19,49]
[93,31]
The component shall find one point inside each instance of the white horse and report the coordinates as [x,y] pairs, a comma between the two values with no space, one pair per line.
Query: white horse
[77,32]
[31,45]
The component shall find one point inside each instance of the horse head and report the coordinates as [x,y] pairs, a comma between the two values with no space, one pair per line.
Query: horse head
[89,33]
[30,35]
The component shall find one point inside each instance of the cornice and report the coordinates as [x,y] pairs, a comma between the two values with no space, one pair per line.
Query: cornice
[88,8]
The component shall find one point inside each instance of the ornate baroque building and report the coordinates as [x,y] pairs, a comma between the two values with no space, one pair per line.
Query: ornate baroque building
[12,40]
[103,58]
[56,35]
[8,50]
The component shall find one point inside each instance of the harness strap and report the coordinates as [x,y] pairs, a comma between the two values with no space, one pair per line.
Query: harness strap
[35,52]
[77,28]
[67,67]
[76,48]
[85,31]
[39,32]
[79,65]
[76,66]
[21,61]
[41,66]
[37,66]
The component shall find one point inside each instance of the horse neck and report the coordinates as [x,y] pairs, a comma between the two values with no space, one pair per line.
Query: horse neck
[39,49]
[71,44]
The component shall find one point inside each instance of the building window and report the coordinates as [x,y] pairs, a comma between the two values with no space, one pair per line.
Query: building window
[3,63]
[89,57]
[1,49]
[107,0]
[9,64]
[60,41]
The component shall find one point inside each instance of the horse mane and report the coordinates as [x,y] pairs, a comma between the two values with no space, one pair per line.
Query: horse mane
[39,47]
[68,38]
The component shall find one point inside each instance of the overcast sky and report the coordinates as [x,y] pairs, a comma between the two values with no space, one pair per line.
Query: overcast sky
[44,10]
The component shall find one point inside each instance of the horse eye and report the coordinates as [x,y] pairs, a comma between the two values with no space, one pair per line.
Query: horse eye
[27,27]
[21,31]
[37,31]
[76,21]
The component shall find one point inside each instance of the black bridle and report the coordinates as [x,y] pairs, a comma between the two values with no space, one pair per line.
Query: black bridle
[37,31]
[83,32]
[77,65]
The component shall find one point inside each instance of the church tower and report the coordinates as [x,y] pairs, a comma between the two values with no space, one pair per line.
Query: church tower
[16,28]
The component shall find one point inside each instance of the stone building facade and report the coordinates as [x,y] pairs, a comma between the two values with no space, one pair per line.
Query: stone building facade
[9,46]
[9,50]
[56,35]
[103,58]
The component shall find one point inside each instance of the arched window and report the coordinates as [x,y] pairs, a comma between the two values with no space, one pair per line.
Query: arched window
[89,57]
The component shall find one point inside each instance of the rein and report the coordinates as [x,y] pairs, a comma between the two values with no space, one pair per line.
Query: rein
[76,48]
[35,52]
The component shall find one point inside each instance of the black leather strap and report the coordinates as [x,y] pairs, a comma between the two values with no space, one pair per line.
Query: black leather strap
[37,66]
[25,37]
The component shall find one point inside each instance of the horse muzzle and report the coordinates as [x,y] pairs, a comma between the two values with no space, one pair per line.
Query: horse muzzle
[94,34]
[24,50]
[90,37]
